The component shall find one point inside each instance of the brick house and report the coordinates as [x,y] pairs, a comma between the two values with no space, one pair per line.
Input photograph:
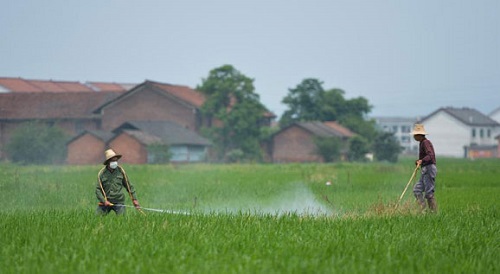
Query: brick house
[73,112]
[91,112]
[83,114]
[135,139]
[295,143]
[88,147]
[153,101]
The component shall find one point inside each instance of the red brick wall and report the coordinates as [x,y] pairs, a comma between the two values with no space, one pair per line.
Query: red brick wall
[147,105]
[131,150]
[86,150]
[70,126]
[294,145]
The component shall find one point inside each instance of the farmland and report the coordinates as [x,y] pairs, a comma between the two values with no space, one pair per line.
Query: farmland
[252,218]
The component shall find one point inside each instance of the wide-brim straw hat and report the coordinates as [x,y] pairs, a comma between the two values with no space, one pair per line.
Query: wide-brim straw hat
[418,129]
[108,154]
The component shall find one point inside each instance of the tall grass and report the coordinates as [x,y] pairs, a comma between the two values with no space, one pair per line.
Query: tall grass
[283,219]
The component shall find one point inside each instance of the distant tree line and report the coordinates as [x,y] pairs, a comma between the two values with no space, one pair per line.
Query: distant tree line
[231,99]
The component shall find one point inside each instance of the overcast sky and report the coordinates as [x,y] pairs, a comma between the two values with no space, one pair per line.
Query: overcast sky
[408,58]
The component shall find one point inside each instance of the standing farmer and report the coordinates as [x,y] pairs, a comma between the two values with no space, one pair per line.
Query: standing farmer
[427,161]
[111,181]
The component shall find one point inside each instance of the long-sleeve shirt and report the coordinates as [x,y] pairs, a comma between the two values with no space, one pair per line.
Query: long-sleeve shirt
[113,182]
[426,153]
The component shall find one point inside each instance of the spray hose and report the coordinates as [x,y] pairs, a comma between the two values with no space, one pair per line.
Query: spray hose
[159,210]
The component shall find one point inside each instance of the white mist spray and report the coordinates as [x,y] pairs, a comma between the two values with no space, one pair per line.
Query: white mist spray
[295,198]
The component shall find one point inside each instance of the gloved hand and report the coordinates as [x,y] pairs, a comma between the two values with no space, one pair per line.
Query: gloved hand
[136,203]
[107,203]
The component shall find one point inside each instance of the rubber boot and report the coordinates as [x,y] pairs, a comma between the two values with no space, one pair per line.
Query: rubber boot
[420,201]
[432,204]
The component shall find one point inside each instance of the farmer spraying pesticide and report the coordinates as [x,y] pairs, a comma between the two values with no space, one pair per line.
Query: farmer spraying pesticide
[111,181]
[427,161]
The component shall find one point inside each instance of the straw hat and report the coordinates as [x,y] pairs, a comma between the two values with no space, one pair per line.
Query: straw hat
[419,130]
[108,154]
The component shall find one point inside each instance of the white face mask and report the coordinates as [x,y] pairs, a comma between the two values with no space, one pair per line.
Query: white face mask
[113,164]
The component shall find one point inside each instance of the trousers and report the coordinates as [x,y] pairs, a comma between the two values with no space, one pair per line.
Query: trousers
[427,182]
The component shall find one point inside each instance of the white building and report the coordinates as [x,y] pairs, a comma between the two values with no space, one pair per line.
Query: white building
[401,127]
[455,132]
[495,114]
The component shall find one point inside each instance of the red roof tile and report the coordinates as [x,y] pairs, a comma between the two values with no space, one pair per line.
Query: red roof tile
[17,84]
[27,85]
[101,86]
[341,129]
[73,86]
[184,93]
[46,85]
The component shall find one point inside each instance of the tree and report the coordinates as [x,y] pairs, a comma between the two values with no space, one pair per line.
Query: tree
[309,101]
[386,147]
[358,148]
[158,153]
[304,102]
[37,143]
[231,99]
[328,148]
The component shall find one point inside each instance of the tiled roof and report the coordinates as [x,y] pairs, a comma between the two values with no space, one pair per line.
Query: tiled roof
[24,85]
[169,132]
[27,85]
[325,129]
[50,105]
[467,116]
[103,86]
[345,132]
[17,84]
[103,135]
[144,138]
[184,93]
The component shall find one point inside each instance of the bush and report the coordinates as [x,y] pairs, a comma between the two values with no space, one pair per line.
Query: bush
[358,148]
[328,148]
[37,143]
[386,147]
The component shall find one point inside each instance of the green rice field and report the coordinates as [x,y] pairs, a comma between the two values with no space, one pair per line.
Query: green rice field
[252,218]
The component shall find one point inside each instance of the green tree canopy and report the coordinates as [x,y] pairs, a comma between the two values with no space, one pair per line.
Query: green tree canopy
[386,147]
[37,143]
[358,148]
[231,99]
[328,148]
[309,101]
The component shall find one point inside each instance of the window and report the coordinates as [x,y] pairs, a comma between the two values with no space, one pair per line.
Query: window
[489,133]
[473,133]
[405,129]
[394,129]
[481,133]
